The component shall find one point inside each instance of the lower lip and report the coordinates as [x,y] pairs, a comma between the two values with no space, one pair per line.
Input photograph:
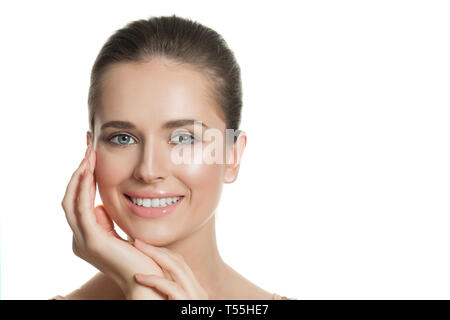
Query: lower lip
[144,212]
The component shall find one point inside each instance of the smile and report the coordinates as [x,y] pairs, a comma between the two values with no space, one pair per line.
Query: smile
[152,207]
[155,202]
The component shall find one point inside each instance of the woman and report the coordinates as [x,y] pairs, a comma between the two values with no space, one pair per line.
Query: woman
[155,85]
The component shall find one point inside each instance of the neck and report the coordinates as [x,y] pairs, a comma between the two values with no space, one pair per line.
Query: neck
[199,250]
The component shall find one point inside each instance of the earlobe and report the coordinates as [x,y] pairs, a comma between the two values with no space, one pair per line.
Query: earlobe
[232,169]
[231,172]
[230,177]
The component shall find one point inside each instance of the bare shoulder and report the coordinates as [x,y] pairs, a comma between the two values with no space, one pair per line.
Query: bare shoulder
[99,287]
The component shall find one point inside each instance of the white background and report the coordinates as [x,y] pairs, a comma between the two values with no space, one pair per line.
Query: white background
[343,191]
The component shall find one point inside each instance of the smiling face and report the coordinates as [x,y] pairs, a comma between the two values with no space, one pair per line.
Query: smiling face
[149,95]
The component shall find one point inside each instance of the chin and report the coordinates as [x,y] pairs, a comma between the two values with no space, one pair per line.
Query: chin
[156,236]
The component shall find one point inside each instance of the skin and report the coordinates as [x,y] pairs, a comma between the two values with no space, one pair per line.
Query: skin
[182,244]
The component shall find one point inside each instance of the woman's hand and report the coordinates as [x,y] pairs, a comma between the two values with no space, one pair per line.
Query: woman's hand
[179,282]
[96,241]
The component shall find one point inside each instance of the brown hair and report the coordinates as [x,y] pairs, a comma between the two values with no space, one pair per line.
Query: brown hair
[180,40]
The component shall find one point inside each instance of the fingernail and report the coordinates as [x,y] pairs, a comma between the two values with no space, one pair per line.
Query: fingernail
[139,276]
[140,244]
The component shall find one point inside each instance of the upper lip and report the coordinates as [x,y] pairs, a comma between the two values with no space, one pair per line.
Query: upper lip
[152,194]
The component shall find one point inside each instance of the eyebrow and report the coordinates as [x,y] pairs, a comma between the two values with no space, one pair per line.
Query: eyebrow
[168,125]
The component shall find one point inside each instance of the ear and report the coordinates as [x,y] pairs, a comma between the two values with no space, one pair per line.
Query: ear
[235,154]
[89,137]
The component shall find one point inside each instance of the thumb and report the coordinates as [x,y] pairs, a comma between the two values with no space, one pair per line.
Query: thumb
[103,218]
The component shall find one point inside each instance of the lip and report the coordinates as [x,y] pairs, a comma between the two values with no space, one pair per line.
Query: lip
[152,194]
[144,212]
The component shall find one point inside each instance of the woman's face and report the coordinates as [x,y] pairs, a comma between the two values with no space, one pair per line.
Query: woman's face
[149,95]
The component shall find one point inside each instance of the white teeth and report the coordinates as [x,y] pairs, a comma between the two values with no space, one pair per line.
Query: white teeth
[146,203]
[156,202]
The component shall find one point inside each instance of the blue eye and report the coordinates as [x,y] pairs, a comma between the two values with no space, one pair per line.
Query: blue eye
[182,139]
[125,138]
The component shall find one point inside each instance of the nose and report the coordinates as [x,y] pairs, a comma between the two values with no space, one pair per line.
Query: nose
[152,164]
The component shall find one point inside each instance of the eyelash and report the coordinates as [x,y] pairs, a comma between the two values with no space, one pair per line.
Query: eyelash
[194,139]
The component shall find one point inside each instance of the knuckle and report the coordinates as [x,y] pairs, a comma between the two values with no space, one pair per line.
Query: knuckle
[76,249]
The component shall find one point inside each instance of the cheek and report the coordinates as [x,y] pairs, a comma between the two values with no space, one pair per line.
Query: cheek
[205,183]
[110,169]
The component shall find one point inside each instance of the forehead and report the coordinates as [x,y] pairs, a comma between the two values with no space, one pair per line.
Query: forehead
[155,91]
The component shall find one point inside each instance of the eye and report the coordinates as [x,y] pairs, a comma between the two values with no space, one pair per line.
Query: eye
[123,139]
[183,138]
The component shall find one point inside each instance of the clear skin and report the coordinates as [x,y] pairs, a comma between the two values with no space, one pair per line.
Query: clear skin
[177,254]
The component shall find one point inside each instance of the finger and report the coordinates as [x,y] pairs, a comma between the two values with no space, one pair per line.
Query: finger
[171,262]
[86,198]
[105,221]
[71,188]
[68,202]
[166,274]
[170,288]
[92,157]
